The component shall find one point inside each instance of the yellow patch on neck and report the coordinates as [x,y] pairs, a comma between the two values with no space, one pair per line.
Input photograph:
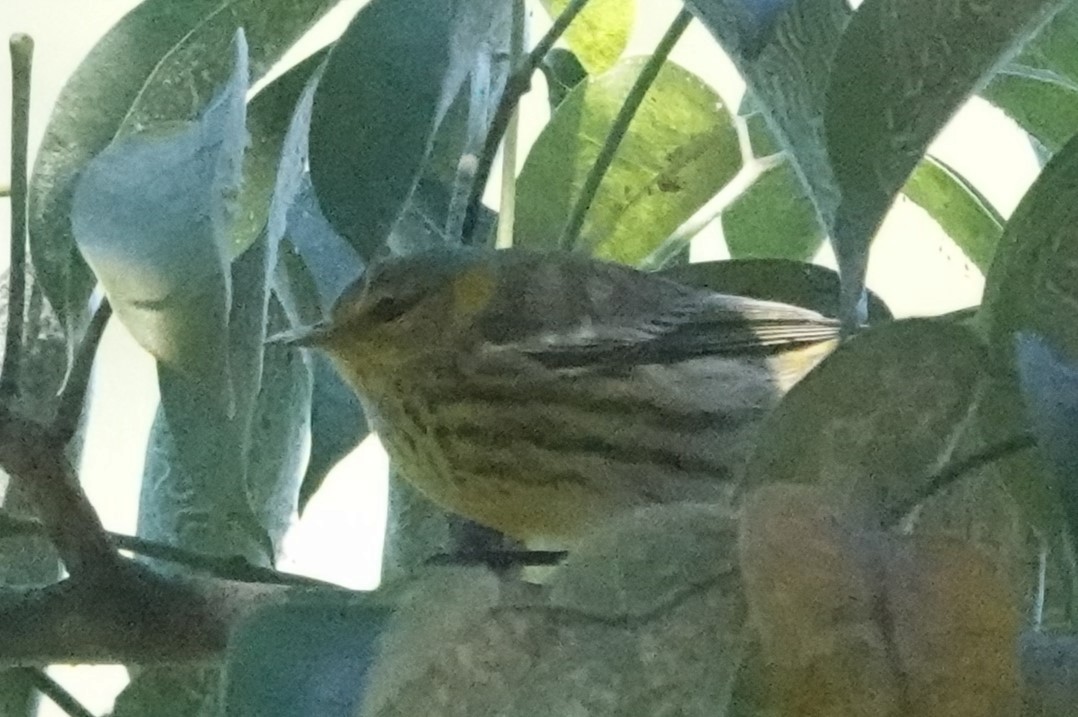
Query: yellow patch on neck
[472,290]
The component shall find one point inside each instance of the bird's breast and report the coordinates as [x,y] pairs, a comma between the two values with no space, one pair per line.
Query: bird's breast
[548,454]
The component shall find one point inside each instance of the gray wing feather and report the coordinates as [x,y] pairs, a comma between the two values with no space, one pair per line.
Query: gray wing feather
[577,312]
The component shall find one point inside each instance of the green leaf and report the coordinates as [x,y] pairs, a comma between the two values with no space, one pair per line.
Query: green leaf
[1049,388]
[284,110]
[130,79]
[278,120]
[1031,285]
[1053,48]
[1049,384]
[386,86]
[151,214]
[791,282]
[1043,104]
[272,420]
[1051,52]
[223,479]
[282,421]
[877,416]
[18,695]
[225,482]
[788,77]
[902,69]
[600,33]
[1001,415]
[1039,88]
[338,424]
[679,150]
[773,219]
[317,262]
[961,211]
[788,80]
[563,72]
[303,658]
[748,25]
[194,492]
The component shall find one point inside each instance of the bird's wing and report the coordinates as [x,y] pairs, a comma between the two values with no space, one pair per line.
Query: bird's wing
[585,313]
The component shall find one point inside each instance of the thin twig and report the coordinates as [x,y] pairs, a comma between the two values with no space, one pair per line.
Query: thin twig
[571,232]
[479,92]
[237,569]
[22,52]
[956,470]
[507,205]
[519,82]
[73,397]
[500,559]
[56,692]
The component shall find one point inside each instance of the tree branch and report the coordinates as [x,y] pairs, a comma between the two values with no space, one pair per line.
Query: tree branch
[22,52]
[140,617]
[32,455]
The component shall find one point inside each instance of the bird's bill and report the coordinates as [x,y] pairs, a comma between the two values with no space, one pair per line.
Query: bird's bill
[314,335]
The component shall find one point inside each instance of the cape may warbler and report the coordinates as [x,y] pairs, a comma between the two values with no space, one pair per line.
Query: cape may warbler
[541,393]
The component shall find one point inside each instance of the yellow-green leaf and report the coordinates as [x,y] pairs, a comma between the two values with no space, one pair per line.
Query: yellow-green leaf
[599,34]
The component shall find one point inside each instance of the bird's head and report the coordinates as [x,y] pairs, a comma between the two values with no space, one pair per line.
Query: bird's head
[403,310]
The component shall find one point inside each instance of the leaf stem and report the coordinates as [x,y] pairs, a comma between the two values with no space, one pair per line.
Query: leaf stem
[955,470]
[571,232]
[22,51]
[519,82]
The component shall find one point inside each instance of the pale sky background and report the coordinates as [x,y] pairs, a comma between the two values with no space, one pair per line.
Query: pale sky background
[914,267]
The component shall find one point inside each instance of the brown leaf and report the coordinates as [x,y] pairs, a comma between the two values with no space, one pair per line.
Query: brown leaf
[814,605]
[853,621]
[955,629]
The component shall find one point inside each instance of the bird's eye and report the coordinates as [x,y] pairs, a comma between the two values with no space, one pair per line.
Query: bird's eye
[387,308]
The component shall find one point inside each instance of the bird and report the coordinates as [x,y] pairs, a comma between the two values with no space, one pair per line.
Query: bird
[544,393]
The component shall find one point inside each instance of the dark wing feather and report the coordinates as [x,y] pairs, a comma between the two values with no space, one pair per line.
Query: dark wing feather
[576,312]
